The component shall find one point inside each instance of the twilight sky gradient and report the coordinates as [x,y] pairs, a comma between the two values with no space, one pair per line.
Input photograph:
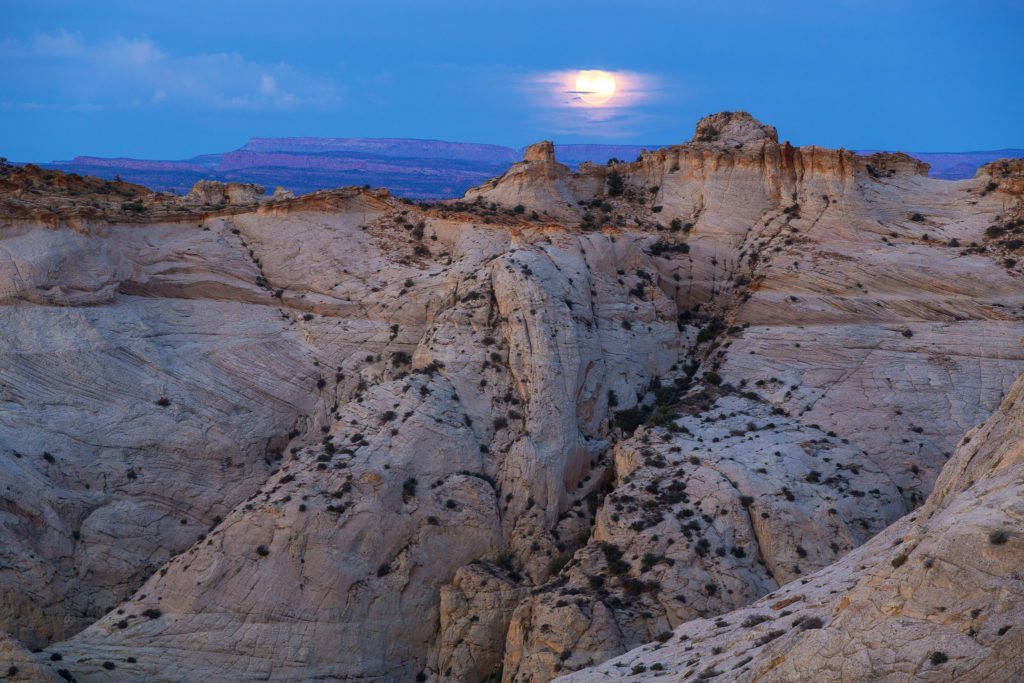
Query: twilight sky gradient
[173,79]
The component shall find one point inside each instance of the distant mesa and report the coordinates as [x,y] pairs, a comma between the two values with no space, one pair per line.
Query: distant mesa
[427,169]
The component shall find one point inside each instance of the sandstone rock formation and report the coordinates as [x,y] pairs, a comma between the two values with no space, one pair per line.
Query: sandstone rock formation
[733,128]
[282,193]
[506,437]
[216,193]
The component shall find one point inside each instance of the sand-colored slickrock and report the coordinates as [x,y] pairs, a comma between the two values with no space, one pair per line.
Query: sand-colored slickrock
[516,435]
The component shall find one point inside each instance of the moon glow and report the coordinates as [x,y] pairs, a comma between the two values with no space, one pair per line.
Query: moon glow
[595,87]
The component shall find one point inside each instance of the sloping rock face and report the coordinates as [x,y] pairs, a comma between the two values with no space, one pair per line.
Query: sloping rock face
[506,437]
[937,596]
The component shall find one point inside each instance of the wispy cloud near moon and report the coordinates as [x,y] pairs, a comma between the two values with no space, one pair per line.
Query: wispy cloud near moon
[577,104]
[631,89]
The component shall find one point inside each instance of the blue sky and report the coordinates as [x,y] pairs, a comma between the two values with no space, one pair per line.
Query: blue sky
[170,80]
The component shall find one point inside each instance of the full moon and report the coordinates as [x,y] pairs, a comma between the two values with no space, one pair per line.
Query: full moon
[595,87]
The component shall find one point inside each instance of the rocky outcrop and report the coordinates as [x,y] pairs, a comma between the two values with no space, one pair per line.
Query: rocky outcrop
[216,193]
[475,611]
[729,128]
[282,193]
[508,437]
[538,181]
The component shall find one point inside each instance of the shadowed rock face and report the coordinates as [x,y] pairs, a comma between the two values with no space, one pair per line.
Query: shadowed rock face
[341,435]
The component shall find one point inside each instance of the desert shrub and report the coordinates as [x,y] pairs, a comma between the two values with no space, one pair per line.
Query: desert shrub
[660,247]
[615,183]
[709,331]
[767,638]
[629,419]
[709,134]
[998,537]
[409,489]
[504,561]
[557,564]
[994,231]
[813,622]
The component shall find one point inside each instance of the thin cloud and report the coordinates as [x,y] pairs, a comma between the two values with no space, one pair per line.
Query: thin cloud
[137,72]
[568,110]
